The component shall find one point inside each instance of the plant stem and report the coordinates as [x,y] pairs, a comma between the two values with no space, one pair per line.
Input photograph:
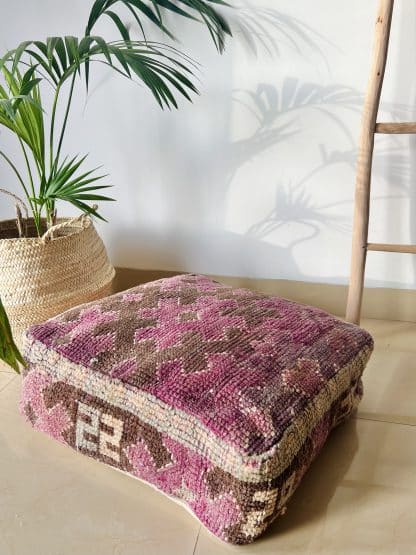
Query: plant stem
[54,160]
[34,208]
[51,133]
[68,106]
[19,177]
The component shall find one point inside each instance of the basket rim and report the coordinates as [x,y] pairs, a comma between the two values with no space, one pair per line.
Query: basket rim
[77,228]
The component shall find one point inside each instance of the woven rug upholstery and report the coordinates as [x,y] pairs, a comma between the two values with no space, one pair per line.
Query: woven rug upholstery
[219,397]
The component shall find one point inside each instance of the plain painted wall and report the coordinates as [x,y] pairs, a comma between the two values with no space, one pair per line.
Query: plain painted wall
[256,177]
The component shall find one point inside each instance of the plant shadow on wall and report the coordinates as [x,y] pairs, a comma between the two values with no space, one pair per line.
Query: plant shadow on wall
[196,209]
[295,205]
[275,112]
[263,30]
[294,202]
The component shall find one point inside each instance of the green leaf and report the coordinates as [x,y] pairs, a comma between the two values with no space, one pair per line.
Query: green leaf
[61,51]
[21,109]
[124,32]
[65,185]
[51,43]
[9,353]
[17,54]
[72,51]
[89,197]
[97,10]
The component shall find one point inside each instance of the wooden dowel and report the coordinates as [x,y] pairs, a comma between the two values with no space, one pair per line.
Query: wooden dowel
[365,160]
[383,247]
[396,128]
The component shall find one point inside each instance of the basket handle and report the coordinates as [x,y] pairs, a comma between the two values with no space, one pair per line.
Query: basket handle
[83,218]
[19,204]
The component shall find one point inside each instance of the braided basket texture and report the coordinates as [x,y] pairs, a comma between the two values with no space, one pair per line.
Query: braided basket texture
[41,277]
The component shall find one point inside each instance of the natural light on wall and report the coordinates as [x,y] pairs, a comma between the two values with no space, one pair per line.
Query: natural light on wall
[296,118]
[256,177]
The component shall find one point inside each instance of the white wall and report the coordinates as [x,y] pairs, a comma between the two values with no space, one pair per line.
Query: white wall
[256,177]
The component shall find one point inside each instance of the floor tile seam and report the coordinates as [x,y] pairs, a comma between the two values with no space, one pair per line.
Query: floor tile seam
[196,540]
[6,385]
[385,421]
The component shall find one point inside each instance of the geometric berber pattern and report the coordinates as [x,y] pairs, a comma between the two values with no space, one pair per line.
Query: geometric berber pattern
[219,397]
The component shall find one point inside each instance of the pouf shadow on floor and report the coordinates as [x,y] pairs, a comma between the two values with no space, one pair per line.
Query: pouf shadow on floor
[311,500]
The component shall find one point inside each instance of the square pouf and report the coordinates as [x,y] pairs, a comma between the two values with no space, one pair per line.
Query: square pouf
[219,397]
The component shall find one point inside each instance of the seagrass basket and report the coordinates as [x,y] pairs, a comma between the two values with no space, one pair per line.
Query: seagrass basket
[43,276]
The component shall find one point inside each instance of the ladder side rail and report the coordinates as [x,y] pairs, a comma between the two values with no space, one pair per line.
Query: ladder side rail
[365,161]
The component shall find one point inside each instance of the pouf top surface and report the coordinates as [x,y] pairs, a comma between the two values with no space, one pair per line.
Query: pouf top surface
[244,365]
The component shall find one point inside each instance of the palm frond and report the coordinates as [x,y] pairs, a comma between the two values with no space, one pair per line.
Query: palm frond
[66,184]
[204,11]
[21,109]
[163,70]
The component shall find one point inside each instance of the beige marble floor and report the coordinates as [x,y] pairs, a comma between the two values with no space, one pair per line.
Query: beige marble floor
[358,498]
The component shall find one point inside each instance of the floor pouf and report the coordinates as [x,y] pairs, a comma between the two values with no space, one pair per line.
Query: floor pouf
[219,397]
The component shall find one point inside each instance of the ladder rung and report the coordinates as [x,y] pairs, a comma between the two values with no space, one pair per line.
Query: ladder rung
[396,128]
[408,249]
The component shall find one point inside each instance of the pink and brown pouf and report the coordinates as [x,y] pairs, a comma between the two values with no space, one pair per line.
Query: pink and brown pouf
[219,397]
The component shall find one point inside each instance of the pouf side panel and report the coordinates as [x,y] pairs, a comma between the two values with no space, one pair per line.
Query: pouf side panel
[189,431]
[234,510]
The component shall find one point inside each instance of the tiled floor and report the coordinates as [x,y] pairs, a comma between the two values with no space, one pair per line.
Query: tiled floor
[359,497]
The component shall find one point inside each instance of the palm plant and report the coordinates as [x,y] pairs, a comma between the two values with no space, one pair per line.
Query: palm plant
[34,68]
[165,71]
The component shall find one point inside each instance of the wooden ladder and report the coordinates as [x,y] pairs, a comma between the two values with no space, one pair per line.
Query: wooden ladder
[360,244]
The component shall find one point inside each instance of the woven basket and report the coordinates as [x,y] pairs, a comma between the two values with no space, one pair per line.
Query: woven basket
[41,277]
